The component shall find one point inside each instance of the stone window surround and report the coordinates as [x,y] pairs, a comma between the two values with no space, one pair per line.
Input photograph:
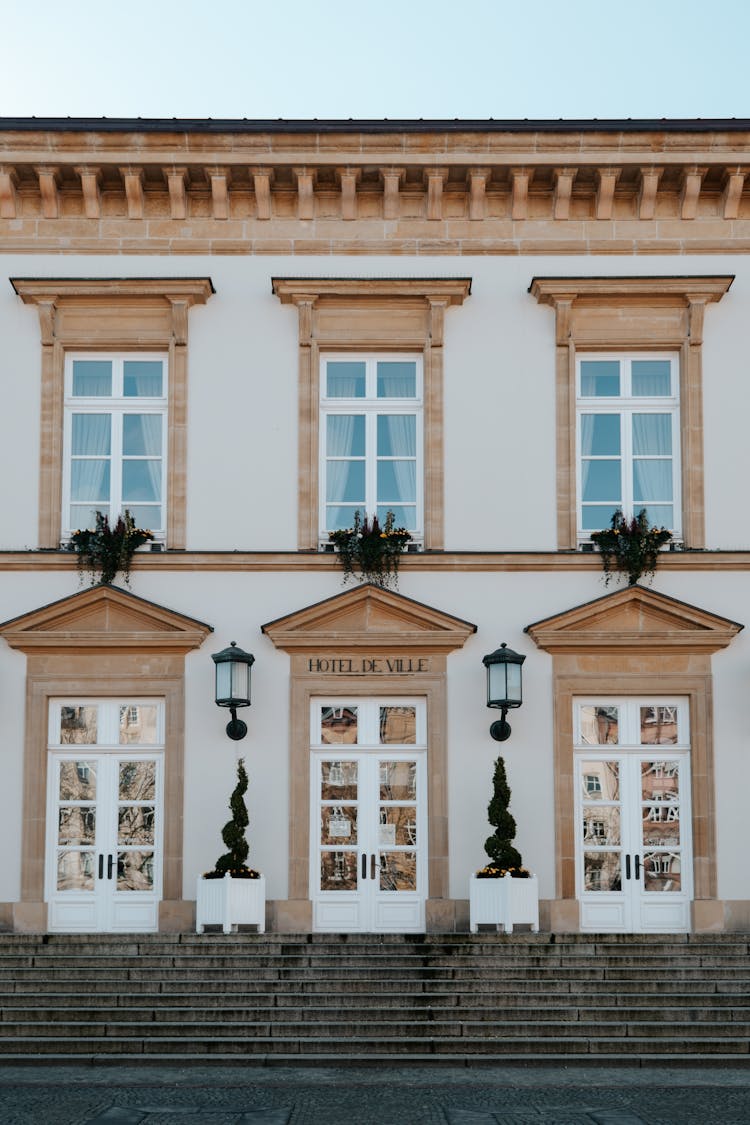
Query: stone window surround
[370,315]
[366,624]
[663,649]
[599,314]
[106,643]
[106,315]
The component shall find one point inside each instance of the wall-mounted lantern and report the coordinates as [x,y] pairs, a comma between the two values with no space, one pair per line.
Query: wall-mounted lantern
[233,685]
[504,689]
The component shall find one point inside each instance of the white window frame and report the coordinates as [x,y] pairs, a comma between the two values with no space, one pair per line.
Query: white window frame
[371,406]
[116,405]
[625,406]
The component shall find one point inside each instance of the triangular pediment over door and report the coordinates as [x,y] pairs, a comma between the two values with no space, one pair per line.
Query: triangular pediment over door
[104,618]
[372,618]
[635,619]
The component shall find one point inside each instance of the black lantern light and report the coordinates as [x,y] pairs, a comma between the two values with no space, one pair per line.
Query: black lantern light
[503,686]
[233,685]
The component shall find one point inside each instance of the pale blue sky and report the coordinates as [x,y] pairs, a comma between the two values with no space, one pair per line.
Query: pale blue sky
[375,58]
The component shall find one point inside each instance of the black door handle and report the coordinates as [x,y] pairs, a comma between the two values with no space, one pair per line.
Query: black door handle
[637,867]
[372,866]
[364,865]
[110,865]
[627,866]
[101,866]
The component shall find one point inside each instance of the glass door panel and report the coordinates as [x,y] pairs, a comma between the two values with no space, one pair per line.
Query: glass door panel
[104,817]
[368,836]
[633,845]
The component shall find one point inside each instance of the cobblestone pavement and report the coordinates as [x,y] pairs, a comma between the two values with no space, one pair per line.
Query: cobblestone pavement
[378,1095]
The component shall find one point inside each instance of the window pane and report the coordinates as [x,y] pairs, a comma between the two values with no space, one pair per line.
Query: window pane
[398,825]
[138,724]
[141,480]
[599,725]
[92,377]
[76,824]
[338,871]
[338,781]
[601,824]
[601,871]
[661,826]
[398,725]
[147,516]
[345,435]
[397,379]
[135,824]
[338,724]
[398,781]
[660,515]
[652,480]
[346,379]
[137,781]
[404,515]
[75,871]
[78,780]
[659,726]
[338,824]
[651,377]
[660,782]
[601,480]
[135,871]
[600,435]
[596,517]
[338,517]
[652,434]
[662,871]
[600,378]
[84,515]
[397,480]
[141,435]
[91,435]
[345,480]
[397,435]
[142,378]
[89,480]
[398,871]
[78,725]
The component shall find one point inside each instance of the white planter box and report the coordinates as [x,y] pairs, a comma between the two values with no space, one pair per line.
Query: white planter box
[505,902]
[230,902]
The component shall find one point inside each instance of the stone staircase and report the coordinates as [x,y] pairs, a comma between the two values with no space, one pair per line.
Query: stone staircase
[300,999]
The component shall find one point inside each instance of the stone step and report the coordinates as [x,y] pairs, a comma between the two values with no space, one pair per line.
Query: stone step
[244,961]
[373,1046]
[736,1021]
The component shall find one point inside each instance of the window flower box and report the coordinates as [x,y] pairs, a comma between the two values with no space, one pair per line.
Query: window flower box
[505,902]
[230,902]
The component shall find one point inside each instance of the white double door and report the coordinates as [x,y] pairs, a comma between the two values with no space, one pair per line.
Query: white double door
[634,856]
[368,870]
[104,819]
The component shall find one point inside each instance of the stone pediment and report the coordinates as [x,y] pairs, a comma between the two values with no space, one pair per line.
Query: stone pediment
[104,618]
[369,618]
[634,620]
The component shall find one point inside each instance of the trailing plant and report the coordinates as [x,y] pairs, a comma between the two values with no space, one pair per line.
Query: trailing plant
[505,858]
[630,546]
[371,550]
[105,550]
[234,861]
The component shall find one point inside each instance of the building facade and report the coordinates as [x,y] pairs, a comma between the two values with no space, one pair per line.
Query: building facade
[245,332]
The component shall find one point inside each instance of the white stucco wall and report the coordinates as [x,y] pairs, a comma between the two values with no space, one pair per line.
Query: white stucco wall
[242,494]
[499,396]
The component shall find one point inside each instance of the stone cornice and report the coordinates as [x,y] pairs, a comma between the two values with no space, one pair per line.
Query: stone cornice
[205,562]
[190,171]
